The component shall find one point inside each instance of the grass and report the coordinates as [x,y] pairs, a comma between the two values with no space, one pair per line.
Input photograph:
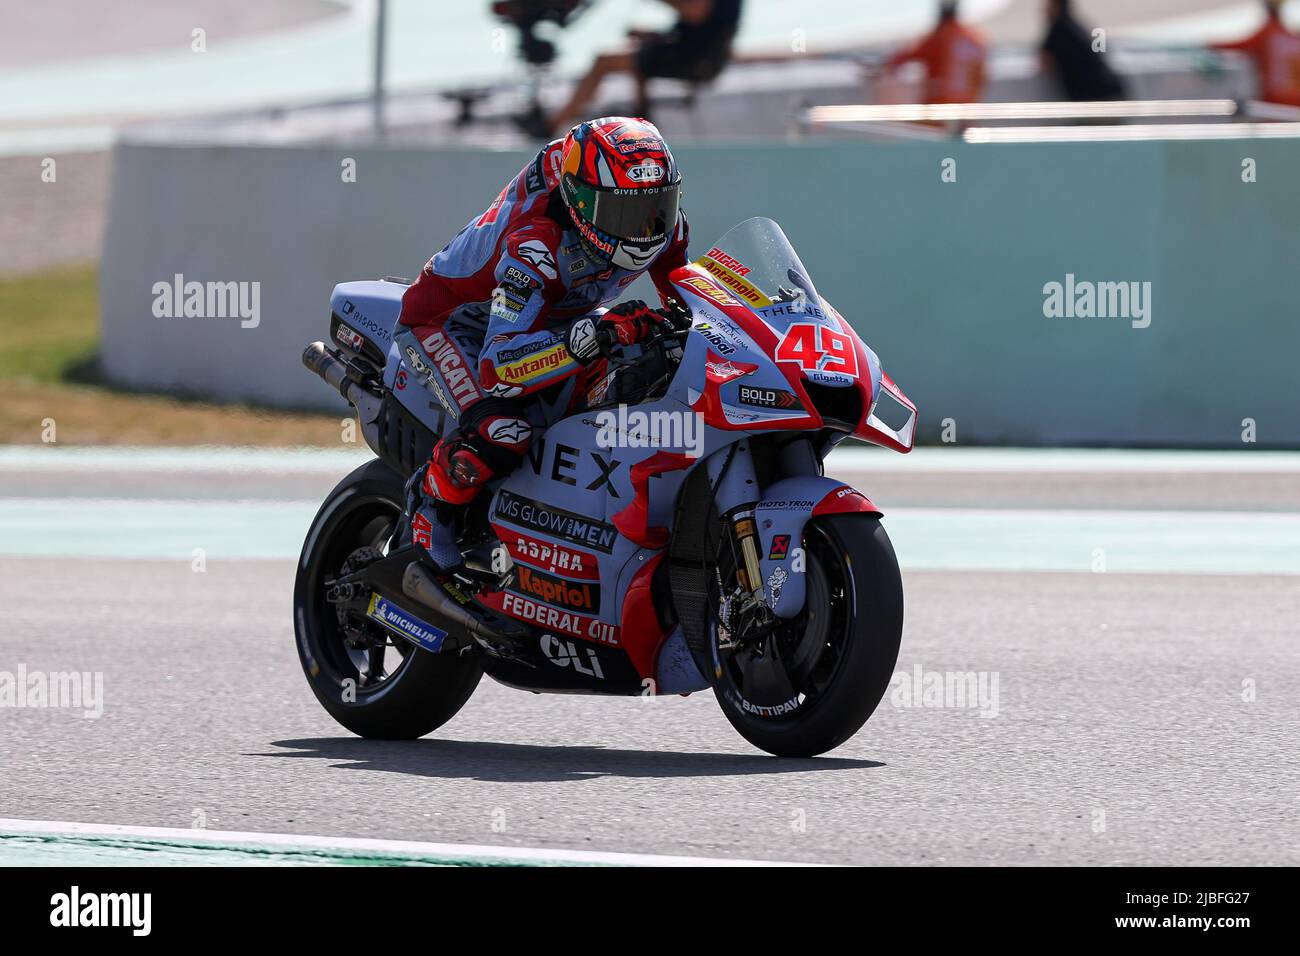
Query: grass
[49,337]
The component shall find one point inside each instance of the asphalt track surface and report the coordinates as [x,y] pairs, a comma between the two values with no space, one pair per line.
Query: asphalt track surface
[1140,717]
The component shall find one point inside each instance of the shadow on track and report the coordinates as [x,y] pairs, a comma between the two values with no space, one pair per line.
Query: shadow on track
[526,763]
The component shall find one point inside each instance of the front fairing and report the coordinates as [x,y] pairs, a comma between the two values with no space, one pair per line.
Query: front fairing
[768,353]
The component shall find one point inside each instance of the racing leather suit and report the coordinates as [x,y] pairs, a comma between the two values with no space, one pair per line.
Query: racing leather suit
[490,313]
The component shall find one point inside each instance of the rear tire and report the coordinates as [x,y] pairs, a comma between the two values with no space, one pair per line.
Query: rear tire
[857,550]
[422,691]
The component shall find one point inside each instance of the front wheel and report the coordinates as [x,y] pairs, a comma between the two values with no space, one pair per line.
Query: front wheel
[809,684]
[372,683]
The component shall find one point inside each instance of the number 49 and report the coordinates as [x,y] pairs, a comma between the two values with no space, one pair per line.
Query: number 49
[818,347]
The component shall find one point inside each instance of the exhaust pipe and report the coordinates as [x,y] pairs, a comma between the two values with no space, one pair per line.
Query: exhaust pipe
[335,374]
[418,583]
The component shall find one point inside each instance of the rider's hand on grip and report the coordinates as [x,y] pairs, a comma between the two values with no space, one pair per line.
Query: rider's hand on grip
[630,321]
[625,324]
[676,316]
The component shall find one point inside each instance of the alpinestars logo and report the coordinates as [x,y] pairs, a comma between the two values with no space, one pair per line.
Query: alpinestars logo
[417,363]
[535,253]
[509,431]
[582,343]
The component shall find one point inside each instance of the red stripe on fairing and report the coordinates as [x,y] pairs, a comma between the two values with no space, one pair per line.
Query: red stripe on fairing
[864,372]
[711,408]
[710,401]
[633,521]
[640,635]
[845,500]
[875,435]
[714,371]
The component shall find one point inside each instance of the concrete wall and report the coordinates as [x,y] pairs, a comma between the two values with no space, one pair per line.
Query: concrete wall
[944,280]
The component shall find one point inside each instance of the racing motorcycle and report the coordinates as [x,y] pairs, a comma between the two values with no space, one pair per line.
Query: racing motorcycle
[671,531]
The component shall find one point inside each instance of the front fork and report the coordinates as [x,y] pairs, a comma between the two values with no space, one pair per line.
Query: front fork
[736,492]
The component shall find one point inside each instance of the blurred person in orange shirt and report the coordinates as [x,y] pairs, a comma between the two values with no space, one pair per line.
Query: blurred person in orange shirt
[953,55]
[1276,52]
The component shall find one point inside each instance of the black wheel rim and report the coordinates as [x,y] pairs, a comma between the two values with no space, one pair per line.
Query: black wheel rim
[799,659]
[360,522]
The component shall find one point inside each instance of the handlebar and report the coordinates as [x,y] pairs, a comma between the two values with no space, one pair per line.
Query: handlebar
[672,322]
[655,364]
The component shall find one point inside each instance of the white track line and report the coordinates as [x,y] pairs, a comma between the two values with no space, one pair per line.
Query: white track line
[1057,460]
[398,850]
[21,458]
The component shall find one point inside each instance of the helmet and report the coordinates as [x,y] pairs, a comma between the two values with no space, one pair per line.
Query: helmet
[621,186]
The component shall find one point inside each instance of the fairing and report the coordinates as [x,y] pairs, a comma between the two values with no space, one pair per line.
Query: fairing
[586,521]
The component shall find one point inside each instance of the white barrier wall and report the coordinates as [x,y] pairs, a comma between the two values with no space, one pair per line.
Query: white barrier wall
[945,279]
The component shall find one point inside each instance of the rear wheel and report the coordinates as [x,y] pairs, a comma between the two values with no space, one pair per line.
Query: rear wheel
[803,687]
[374,684]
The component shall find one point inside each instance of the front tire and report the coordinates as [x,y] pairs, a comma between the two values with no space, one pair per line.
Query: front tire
[855,601]
[393,691]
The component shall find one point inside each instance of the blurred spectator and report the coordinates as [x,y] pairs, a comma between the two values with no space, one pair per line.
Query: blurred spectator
[1276,52]
[696,49]
[953,55]
[1069,53]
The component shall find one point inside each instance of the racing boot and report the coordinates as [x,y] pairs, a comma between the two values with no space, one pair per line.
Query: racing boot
[451,480]
[492,440]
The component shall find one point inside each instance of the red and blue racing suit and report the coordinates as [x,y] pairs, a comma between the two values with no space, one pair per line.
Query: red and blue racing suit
[491,310]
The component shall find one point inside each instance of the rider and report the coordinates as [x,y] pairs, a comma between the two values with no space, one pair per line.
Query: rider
[502,315]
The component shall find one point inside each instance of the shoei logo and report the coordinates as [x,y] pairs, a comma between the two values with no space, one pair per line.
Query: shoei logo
[646,171]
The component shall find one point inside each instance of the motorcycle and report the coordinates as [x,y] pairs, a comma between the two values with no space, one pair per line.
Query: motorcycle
[671,531]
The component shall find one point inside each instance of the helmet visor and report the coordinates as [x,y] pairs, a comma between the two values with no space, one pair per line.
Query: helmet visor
[639,215]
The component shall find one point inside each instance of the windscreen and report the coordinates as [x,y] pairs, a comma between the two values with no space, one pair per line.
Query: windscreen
[756,262]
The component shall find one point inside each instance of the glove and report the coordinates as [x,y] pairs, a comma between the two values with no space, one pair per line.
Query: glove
[630,321]
[625,324]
